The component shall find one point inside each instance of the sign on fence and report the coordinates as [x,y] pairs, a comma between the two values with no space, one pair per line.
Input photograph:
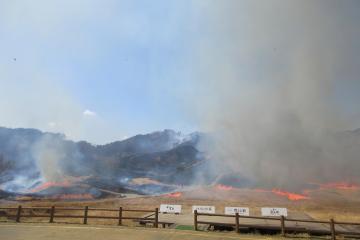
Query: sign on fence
[273,212]
[233,210]
[165,208]
[204,209]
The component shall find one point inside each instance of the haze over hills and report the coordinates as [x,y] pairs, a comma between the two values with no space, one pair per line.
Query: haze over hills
[29,157]
[44,163]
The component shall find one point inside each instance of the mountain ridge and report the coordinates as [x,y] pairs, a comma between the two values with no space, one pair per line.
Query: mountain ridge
[30,156]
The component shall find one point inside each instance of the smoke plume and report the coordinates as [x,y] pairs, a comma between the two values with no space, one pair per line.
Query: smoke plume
[56,157]
[270,77]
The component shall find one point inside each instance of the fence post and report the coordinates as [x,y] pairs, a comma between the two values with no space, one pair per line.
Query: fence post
[332,229]
[120,216]
[86,214]
[52,212]
[195,220]
[156,218]
[282,220]
[18,214]
[237,222]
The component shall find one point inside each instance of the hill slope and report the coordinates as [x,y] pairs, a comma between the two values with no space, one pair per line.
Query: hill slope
[29,157]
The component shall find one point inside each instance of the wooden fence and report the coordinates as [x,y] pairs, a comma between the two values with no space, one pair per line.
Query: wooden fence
[53,212]
[281,227]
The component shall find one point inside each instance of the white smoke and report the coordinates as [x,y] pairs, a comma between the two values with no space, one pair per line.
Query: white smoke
[268,76]
[56,158]
[50,156]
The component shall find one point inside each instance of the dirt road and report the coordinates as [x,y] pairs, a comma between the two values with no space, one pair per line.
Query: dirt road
[78,232]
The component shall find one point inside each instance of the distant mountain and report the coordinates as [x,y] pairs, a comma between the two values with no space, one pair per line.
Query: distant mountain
[152,163]
[149,143]
[28,156]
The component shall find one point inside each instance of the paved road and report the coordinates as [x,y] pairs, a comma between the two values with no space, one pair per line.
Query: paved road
[78,232]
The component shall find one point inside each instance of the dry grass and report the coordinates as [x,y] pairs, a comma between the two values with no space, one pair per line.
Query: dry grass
[342,206]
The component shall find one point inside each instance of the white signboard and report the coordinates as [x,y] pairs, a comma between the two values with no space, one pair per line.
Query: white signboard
[233,210]
[165,208]
[204,209]
[273,212]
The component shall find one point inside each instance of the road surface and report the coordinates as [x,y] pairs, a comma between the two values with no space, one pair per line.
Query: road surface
[27,231]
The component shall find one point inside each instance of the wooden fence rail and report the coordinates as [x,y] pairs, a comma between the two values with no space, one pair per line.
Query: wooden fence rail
[282,223]
[53,213]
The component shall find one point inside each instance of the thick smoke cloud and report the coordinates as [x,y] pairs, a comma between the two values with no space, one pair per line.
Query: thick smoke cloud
[271,77]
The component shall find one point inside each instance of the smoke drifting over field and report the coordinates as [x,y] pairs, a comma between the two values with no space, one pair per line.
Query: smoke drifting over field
[53,154]
[273,87]
[272,77]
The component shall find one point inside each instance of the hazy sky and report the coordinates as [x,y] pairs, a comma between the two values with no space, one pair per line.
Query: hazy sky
[103,70]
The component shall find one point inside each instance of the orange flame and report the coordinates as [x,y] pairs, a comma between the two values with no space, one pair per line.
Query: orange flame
[289,195]
[46,185]
[174,195]
[224,187]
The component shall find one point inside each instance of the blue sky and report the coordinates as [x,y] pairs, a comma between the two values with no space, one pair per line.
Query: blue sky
[121,60]
[106,70]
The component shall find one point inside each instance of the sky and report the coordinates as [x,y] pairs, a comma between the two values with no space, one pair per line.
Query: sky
[106,70]
[95,70]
